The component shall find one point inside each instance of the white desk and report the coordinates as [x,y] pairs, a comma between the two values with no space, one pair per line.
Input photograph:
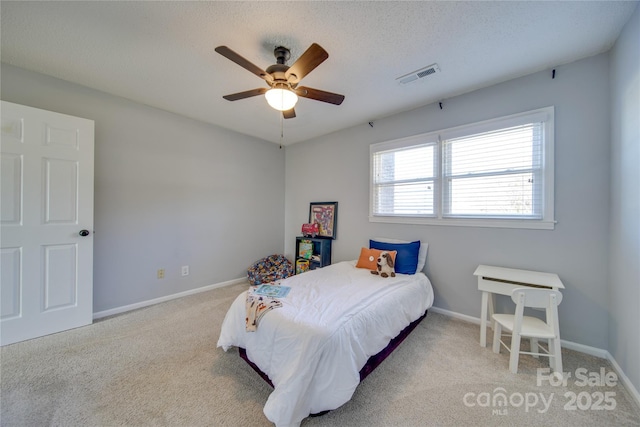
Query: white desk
[500,280]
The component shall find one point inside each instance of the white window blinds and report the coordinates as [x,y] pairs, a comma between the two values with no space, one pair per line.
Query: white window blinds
[403,181]
[500,169]
[495,174]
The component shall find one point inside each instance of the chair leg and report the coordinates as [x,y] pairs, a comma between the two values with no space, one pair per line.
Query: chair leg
[534,347]
[497,332]
[515,353]
[557,353]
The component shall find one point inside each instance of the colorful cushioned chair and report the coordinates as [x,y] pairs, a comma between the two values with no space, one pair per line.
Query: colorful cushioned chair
[269,269]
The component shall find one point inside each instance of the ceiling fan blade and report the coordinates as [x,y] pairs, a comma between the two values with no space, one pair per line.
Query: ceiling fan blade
[244,63]
[307,62]
[289,114]
[319,95]
[246,94]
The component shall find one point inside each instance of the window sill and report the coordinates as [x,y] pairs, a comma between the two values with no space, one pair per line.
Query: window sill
[468,222]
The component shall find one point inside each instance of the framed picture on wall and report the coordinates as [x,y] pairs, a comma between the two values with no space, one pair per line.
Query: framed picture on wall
[325,214]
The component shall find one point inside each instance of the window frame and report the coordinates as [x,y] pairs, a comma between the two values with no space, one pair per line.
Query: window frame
[547,221]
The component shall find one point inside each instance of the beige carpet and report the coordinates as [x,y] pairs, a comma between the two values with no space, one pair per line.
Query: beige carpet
[159,366]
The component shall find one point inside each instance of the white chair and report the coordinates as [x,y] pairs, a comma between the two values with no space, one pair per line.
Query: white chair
[531,327]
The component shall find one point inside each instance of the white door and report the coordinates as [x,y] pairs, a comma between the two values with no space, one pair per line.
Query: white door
[46,204]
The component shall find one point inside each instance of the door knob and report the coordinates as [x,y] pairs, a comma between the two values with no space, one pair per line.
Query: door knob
[84,233]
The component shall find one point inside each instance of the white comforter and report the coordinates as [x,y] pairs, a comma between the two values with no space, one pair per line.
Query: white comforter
[332,321]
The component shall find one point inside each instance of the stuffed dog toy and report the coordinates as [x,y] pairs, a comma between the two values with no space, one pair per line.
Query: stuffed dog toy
[384,265]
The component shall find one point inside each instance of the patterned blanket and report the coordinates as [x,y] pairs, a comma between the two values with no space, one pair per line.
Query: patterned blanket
[257,306]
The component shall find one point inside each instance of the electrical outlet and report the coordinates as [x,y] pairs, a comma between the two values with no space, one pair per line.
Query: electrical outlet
[161,273]
[185,270]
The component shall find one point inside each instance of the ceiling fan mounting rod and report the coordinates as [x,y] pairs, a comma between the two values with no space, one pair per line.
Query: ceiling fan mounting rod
[278,71]
[282,54]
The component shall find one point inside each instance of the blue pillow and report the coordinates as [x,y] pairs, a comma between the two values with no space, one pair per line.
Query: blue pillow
[407,257]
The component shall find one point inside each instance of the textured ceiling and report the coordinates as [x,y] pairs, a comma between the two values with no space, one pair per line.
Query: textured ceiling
[162,53]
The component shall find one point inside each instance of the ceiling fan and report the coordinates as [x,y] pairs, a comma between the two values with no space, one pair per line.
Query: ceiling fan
[283,91]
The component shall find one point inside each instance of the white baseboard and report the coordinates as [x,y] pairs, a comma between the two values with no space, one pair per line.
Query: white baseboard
[125,308]
[592,351]
[456,315]
[625,379]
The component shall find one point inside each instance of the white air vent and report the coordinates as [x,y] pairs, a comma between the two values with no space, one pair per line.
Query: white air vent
[418,74]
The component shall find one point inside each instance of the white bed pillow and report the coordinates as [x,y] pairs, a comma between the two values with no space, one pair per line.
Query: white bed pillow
[422,253]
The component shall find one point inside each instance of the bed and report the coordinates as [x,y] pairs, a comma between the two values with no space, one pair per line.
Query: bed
[335,323]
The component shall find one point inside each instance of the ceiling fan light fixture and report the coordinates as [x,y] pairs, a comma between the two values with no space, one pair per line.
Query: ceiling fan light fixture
[281,99]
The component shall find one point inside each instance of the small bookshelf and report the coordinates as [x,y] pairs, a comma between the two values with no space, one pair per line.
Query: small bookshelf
[312,253]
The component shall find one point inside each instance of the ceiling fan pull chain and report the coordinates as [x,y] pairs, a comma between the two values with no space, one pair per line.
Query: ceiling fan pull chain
[281,129]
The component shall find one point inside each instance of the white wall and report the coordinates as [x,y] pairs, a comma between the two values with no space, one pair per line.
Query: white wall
[336,168]
[624,249]
[169,191]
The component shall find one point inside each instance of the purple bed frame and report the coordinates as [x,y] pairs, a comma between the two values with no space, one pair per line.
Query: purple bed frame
[369,367]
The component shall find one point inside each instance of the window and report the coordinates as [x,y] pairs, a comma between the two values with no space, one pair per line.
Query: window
[497,173]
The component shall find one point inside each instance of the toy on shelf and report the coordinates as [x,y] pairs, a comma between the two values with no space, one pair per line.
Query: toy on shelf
[302,265]
[305,249]
[310,230]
